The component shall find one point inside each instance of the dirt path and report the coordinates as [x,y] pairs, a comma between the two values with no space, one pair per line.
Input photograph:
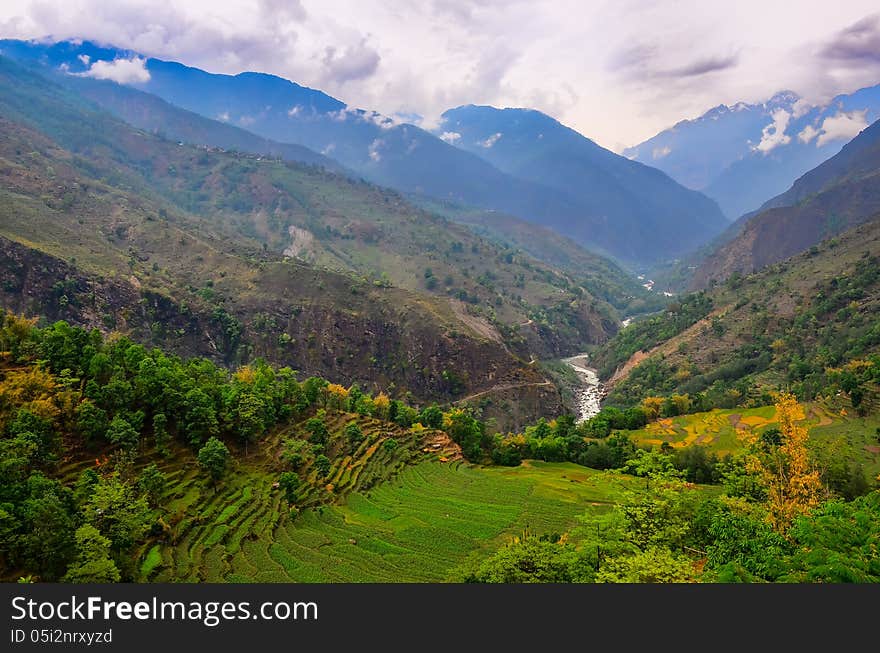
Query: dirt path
[499,388]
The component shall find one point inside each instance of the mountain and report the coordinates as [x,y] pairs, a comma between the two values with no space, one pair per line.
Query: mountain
[111,227]
[840,193]
[745,154]
[798,324]
[403,156]
[155,115]
[627,203]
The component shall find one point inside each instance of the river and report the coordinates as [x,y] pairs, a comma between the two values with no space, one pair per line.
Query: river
[589,395]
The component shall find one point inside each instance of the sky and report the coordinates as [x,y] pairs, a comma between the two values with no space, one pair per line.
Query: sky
[618,72]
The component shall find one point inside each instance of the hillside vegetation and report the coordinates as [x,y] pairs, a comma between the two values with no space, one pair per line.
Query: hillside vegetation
[807,324]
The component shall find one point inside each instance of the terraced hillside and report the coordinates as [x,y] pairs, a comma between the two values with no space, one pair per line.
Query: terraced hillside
[430,523]
[834,428]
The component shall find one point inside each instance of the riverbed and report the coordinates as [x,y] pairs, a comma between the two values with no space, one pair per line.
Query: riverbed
[589,394]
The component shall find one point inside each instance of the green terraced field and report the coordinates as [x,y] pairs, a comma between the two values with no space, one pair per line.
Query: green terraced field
[720,431]
[432,522]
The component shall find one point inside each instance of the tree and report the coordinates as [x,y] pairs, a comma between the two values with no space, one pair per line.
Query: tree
[289,483]
[793,484]
[294,452]
[117,512]
[317,430]
[48,544]
[654,565]
[152,483]
[534,560]
[121,433]
[322,465]
[91,421]
[354,435]
[250,418]
[214,458]
[432,417]
[160,433]
[93,564]
[200,419]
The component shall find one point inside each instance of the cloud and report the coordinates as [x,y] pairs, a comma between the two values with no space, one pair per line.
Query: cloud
[660,152]
[489,142]
[294,111]
[223,117]
[121,71]
[808,133]
[355,62]
[450,137]
[672,61]
[858,43]
[704,66]
[801,107]
[374,148]
[85,59]
[842,126]
[645,61]
[773,135]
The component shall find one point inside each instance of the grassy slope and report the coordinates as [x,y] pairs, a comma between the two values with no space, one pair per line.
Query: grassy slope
[833,429]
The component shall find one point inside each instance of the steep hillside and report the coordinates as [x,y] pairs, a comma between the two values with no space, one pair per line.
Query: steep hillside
[798,325]
[638,210]
[842,192]
[124,215]
[603,278]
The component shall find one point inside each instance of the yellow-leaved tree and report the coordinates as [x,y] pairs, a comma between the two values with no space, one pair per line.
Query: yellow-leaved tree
[793,484]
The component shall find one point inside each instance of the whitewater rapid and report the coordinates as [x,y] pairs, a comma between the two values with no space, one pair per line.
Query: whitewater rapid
[589,395]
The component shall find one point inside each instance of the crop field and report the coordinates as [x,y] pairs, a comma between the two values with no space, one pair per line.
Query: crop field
[722,431]
[432,522]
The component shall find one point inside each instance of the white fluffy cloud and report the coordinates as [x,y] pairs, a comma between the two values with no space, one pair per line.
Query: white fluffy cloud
[450,137]
[489,142]
[374,150]
[842,126]
[809,133]
[774,134]
[660,152]
[122,71]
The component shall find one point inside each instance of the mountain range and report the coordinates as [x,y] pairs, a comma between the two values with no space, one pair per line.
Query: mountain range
[601,203]
[837,195]
[745,154]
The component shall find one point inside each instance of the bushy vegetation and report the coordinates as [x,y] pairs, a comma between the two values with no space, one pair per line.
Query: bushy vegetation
[645,334]
[774,522]
[69,396]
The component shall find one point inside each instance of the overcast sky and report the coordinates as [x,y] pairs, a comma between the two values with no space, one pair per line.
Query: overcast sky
[617,72]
